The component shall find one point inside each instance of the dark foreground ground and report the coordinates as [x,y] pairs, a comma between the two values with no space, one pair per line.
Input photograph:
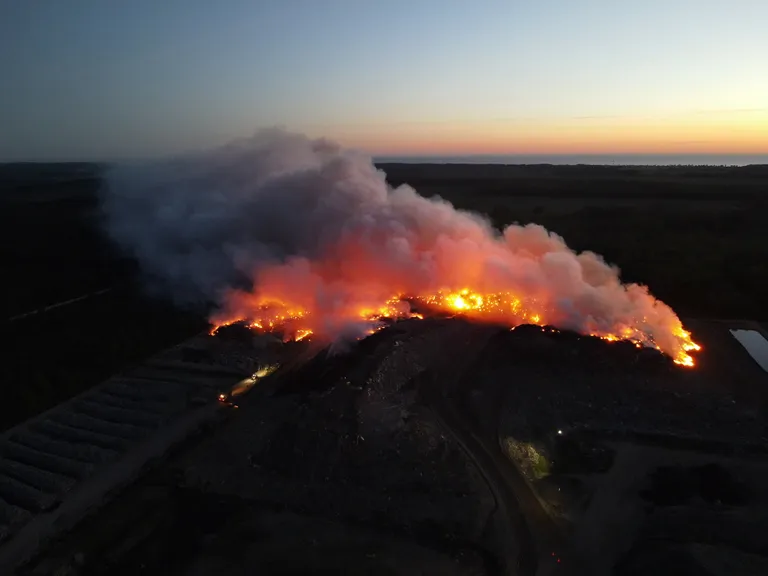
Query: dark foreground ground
[443,447]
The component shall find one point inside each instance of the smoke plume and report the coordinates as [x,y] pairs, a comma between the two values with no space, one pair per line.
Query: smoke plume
[304,225]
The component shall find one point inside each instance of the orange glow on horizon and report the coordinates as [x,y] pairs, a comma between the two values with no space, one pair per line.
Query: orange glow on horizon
[700,133]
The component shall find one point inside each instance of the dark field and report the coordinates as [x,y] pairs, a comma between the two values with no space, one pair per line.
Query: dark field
[695,235]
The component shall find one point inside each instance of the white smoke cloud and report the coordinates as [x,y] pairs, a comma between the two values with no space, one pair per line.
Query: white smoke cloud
[281,215]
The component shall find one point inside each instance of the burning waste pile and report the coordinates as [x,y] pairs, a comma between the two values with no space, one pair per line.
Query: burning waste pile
[303,237]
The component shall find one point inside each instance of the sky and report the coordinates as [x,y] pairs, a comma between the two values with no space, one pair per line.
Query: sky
[103,79]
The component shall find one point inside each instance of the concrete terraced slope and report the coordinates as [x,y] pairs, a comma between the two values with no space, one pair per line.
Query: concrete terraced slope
[56,467]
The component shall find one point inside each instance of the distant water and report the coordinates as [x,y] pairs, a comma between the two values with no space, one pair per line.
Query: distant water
[597,159]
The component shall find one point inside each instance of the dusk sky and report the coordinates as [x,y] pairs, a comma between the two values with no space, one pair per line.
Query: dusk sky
[100,79]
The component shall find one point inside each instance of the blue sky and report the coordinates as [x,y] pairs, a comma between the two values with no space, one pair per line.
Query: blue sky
[101,79]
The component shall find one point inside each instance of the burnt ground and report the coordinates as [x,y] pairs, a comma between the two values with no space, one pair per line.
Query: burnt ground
[433,447]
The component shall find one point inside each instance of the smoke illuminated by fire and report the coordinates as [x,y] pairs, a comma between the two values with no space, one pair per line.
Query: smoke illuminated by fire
[301,237]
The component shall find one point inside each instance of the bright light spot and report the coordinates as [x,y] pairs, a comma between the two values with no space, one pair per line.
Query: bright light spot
[459,303]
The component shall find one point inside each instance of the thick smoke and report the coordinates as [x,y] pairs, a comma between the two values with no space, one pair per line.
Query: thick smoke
[317,227]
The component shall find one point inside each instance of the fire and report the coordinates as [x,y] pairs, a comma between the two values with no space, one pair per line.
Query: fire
[302,333]
[305,237]
[688,345]
[506,308]
[500,307]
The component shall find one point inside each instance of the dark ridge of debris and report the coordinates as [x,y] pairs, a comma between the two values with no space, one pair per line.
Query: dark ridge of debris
[238,331]
[550,344]
[330,365]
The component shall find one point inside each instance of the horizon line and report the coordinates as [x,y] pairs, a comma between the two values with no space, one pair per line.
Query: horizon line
[377,157]
[559,154]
